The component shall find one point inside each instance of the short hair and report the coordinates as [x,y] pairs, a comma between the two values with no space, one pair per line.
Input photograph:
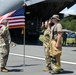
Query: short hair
[4,21]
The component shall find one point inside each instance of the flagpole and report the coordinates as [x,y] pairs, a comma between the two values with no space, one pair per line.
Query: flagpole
[24,48]
[24,41]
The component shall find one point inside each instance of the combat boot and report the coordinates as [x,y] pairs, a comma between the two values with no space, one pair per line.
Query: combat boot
[4,69]
[46,69]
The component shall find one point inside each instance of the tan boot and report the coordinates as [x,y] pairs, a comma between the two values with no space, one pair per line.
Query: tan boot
[46,69]
[4,69]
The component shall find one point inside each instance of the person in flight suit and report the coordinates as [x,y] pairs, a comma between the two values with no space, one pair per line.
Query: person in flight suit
[46,44]
[5,41]
[55,45]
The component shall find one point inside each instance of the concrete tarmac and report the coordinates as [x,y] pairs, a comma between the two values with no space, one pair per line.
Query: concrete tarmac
[35,60]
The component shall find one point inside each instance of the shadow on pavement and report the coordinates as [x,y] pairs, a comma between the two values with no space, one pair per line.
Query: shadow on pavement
[65,72]
[73,50]
[16,70]
[25,65]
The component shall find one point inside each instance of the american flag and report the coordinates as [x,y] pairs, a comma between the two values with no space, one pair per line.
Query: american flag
[15,18]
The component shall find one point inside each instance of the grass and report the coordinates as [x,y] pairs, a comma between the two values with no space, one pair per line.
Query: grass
[41,38]
[69,40]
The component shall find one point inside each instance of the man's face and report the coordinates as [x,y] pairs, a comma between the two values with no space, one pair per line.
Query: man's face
[54,20]
[5,23]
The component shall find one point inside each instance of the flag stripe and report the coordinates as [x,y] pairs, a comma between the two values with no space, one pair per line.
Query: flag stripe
[18,20]
[15,24]
[16,17]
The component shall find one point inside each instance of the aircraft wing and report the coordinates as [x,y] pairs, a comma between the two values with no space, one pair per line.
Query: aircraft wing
[7,6]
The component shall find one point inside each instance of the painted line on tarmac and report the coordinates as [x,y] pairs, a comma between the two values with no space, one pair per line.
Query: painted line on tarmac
[33,57]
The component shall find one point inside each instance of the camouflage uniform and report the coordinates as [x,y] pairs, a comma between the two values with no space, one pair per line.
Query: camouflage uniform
[55,52]
[4,45]
[46,44]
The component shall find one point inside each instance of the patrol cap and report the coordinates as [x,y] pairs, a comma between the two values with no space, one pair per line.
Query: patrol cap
[55,16]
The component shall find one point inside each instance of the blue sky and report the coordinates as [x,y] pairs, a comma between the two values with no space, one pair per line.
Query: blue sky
[71,10]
